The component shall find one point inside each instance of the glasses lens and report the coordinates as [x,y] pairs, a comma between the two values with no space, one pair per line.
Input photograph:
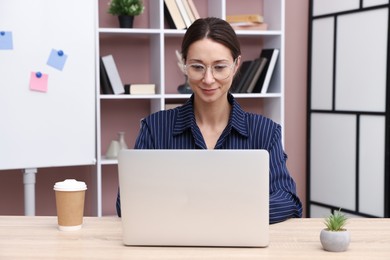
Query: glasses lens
[221,71]
[197,71]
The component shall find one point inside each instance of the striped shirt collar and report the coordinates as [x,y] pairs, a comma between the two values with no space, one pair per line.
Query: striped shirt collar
[186,118]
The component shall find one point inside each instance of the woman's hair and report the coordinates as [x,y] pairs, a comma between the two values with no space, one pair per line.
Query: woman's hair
[212,28]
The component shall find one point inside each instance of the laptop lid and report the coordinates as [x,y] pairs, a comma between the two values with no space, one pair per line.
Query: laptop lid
[194,197]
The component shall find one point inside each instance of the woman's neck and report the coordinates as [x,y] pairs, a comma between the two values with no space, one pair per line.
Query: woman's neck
[212,119]
[212,114]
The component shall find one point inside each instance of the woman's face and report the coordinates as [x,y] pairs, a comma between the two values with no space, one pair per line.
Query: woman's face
[216,61]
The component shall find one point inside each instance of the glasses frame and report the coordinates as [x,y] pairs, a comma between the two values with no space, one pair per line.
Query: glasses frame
[185,67]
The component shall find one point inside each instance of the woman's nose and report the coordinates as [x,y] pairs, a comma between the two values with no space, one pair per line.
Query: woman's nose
[208,75]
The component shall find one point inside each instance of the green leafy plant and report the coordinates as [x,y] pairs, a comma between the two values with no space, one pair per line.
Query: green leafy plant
[126,7]
[336,221]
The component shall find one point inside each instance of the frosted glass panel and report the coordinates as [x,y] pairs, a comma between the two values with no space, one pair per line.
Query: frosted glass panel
[332,159]
[361,61]
[372,165]
[349,215]
[368,3]
[322,64]
[332,6]
[319,212]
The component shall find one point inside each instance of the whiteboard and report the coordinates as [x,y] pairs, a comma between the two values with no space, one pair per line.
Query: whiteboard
[56,127]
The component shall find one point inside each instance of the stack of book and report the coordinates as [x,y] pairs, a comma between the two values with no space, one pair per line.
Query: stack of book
[140,89]
[247,22]
[111,82]
[254,76]
[180,14]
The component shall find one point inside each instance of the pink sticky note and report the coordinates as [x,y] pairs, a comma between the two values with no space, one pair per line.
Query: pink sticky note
[38,81]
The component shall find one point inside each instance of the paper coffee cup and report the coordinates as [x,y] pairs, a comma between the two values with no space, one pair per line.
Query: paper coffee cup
[70,196]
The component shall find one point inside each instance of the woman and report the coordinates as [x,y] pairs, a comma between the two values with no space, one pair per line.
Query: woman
[212,118]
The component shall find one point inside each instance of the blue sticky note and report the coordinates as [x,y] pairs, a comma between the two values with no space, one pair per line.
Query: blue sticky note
[57,59]
[6,40]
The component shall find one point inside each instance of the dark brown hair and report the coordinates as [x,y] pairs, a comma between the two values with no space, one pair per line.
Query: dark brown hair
[212,28]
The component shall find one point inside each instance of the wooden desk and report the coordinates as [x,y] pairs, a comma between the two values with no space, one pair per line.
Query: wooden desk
[101,238]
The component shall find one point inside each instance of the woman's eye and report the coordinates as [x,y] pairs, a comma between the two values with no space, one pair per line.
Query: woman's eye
[197,67]
[220,67]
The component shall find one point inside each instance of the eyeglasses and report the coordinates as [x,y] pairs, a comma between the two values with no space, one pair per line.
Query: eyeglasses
[197,71]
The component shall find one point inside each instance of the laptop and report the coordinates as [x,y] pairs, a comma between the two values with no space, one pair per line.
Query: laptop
[213,198]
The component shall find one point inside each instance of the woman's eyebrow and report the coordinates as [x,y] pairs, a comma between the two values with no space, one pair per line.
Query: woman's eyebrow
[214,62]
[195,60]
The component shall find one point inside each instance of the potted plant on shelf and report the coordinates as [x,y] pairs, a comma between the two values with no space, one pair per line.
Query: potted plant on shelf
[126,10]
[335,237]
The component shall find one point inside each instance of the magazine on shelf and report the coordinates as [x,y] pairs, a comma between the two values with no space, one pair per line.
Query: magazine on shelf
[113,74]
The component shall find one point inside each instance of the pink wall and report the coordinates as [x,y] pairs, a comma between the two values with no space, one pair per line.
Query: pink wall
[297,13]
[11,181]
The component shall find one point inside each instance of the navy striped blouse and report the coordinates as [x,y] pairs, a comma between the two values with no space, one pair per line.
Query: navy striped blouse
[177,129]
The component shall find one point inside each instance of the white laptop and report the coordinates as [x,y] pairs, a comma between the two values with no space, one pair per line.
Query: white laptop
[194,197]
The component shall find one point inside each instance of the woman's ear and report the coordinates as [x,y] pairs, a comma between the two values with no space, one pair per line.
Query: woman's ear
[237,65]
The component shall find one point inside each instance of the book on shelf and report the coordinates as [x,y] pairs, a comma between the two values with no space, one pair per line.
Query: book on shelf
[253,26]
[183,12]
[140,89]
[189,11]
[260,68]
[245,18]
[105,84]
[173,16]
[270,70]
[193,9]
[251,73]
[265,77]
[241,76]
[247,22]
[113,74]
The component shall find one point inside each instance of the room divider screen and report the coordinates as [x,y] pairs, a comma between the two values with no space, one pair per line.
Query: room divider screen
[348,108]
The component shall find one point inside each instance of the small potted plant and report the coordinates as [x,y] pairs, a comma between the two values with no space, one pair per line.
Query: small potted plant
[335,237]
[126,10]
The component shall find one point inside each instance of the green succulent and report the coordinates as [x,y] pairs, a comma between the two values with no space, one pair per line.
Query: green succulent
[336,221]
[126,7]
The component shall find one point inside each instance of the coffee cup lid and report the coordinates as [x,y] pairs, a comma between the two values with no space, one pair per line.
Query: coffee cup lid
[70,185]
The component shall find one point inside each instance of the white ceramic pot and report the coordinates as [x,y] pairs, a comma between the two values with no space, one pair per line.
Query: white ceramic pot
[335,241]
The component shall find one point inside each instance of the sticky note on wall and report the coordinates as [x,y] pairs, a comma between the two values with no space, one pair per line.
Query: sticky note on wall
[6,40]
[38,81]
[57,59]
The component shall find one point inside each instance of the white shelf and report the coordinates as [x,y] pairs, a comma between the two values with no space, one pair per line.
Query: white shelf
[124,96]
[105,161]
[128,31]
[159,43]
[172,32]
[258,33]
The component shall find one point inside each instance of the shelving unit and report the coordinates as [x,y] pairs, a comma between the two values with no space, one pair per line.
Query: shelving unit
[146,54]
